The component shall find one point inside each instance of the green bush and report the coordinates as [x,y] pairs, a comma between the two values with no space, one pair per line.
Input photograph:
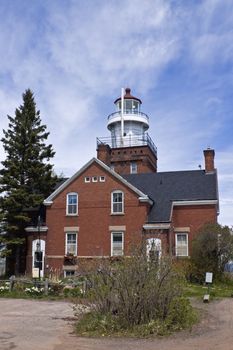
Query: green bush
[75,292]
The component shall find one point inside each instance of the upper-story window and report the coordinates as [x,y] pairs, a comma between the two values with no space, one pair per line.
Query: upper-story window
[72,204]
[117,202]
[133,168]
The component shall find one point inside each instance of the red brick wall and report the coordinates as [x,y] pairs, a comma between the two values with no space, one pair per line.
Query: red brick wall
[94,217]
[193,217]
[122,157]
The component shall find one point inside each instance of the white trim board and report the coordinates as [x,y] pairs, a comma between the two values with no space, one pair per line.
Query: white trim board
[142,196]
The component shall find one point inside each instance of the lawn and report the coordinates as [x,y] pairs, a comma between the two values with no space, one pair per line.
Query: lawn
[217,290]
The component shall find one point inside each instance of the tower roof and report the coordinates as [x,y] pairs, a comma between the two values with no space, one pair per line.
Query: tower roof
[128,96]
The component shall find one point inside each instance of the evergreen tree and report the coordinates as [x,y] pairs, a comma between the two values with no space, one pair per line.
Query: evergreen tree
[26,177]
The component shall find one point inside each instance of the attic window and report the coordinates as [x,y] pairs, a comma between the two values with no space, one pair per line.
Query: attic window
[87,179]
[94,178]
[102,178]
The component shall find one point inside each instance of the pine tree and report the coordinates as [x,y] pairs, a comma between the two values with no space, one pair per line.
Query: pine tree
[26,177]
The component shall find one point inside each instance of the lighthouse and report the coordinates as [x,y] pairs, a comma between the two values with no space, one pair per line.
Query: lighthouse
[129,149]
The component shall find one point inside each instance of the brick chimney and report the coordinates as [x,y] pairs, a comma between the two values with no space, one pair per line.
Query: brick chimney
[209,160]
[103,153]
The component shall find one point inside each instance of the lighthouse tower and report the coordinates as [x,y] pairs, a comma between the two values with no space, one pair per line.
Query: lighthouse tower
[130,148]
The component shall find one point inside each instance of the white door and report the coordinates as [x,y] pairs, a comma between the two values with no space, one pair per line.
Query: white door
[38,253]
[154,247]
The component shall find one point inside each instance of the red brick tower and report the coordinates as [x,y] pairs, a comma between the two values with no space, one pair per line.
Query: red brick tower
[130,148]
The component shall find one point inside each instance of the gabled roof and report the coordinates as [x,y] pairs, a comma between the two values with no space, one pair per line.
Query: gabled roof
[142,196]
[175,188]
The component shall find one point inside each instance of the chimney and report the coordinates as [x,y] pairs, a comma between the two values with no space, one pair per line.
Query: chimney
[103,153]
[209,160]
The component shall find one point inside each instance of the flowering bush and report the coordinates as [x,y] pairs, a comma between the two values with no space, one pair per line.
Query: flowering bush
[34,291]
[4,288]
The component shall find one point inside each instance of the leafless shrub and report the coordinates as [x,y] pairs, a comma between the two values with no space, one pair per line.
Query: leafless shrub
[135,289]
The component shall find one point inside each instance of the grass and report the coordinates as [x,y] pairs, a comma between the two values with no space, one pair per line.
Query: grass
[217,290]
[95,324]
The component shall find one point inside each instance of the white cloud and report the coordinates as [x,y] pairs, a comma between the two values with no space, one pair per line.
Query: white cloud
[76,57]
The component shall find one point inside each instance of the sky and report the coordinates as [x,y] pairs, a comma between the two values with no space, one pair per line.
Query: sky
[75,55]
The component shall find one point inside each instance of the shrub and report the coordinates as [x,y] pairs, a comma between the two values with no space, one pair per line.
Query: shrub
[212,250]
[138,293]
[75,292]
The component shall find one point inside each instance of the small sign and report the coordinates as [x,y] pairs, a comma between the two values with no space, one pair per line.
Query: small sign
[35,272]
[209,277]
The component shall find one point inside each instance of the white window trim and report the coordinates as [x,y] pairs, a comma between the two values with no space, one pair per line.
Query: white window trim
[187,247]
[94,178]
[65,273]
[73,233]
[67,204]
[102,178]
[118,212]
[122,234]
[87,179]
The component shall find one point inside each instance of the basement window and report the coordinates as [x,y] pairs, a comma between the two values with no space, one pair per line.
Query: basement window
[69,273]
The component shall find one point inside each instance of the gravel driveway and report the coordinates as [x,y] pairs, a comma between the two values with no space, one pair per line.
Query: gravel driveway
[45,325]
[30,324]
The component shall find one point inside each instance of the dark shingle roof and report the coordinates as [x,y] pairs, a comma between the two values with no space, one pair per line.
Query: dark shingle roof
[165,187]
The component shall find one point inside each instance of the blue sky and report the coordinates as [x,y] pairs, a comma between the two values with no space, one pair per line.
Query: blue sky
[177,56]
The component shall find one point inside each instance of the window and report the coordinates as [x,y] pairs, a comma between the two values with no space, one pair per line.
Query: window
[112,167]
[154,250]
[72,204]
[94,178]
[71,243]
[102,178]
[181,244]
[69,273]
[133,168]
[87,179]
[117,244]
[117,202]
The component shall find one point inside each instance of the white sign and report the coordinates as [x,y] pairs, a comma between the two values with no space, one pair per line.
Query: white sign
[35,272]
[209,277]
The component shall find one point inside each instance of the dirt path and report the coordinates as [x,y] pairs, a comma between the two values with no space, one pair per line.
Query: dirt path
[214,332]
[30,324]
[44,325]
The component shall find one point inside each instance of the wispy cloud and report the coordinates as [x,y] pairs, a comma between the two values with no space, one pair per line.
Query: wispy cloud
[76,55]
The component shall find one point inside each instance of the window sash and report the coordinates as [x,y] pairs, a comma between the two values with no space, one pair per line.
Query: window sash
[117,244]
[117,202]
[133,168]
[72,204]
[182,244]
[71,243]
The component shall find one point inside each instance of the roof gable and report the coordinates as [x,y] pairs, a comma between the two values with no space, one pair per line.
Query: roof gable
[142,196]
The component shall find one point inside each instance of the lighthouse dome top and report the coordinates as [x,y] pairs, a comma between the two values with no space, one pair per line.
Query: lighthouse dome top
[128,96]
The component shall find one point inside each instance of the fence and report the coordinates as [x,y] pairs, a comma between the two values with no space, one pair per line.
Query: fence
[44,286]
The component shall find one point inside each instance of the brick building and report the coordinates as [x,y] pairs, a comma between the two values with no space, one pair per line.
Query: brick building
[119,199]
